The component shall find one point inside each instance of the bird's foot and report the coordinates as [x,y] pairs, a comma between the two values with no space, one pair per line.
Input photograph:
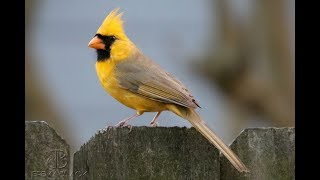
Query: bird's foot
[154,124]
[108,127]
[123,124]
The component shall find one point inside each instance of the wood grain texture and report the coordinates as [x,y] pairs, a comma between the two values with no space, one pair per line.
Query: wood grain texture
[269,153]
[148,153]
[47,155]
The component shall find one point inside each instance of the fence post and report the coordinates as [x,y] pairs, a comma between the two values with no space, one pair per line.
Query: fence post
[148,153]
[46,153]
[157,153]
[269,153]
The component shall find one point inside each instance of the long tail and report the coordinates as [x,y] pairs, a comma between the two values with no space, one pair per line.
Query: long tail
[191,115]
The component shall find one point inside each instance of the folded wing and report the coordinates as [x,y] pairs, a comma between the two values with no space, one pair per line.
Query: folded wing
[142,76]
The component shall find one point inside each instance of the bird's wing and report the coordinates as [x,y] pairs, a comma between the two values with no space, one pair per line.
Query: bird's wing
[142,76]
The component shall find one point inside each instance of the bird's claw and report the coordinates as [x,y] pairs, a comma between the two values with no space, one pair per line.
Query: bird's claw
[154,124]
[130,127]
[120,124]
[108,127]
[123,124]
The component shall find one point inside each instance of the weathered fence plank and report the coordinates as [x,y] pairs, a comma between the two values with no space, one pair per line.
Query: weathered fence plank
[269,153]
[46,153]
[158,153]
[147,153]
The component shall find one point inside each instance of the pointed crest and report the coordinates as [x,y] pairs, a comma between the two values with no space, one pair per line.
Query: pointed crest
[112,25]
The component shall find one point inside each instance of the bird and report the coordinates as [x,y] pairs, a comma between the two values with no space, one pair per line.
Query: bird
[138,82]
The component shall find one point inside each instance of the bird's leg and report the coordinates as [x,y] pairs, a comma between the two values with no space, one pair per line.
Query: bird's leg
[124,123]
[153,122]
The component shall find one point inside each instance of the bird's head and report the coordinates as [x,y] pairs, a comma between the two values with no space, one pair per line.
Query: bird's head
[110,32]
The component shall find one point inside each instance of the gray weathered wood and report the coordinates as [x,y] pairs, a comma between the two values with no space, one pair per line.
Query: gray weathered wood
[147,153]
[269,153]
[46,153]
[158,153]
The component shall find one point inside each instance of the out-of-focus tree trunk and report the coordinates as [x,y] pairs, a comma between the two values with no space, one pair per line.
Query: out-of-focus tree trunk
[38,103]
[252,63]
[277,29]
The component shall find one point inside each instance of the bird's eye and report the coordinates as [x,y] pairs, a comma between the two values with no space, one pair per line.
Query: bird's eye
[113,37]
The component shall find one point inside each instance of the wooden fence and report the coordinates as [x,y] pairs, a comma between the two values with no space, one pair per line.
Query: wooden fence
[157,153]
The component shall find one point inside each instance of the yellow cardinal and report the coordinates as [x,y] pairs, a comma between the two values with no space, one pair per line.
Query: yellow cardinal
[139,83]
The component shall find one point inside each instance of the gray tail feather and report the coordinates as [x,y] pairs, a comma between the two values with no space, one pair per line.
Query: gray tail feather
[192,116]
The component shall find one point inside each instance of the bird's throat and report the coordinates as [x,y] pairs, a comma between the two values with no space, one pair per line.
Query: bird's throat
[103,55]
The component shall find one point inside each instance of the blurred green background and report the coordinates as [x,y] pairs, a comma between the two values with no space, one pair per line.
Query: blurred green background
[236,57]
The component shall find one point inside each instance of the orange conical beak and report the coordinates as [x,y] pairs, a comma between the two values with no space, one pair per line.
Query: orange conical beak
[96,43]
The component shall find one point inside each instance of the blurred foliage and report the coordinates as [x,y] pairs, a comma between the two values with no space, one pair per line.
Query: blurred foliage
[252,64]
[38,105]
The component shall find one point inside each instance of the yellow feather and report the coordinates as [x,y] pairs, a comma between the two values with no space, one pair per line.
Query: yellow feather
[112,25]
[122,50]
[133,91]
[105,72]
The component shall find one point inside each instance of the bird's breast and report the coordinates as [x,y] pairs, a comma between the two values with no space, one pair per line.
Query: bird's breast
[105,72]
[107,77]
